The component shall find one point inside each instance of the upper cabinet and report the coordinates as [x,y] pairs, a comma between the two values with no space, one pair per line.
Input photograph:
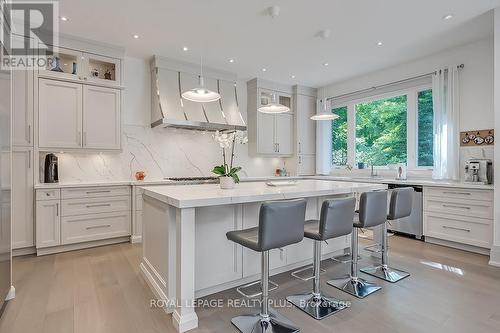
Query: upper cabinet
[269,134]
[22,108]
[69,64]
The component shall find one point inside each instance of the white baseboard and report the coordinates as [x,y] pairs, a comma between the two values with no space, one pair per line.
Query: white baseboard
[24,251]
[495,256]
[81,246]
[460,246]
[136,239]
[11,294]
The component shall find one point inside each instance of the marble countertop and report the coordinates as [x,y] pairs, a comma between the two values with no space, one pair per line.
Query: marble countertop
[203,195]
[376,180]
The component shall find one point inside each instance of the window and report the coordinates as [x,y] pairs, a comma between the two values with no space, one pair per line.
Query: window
[425,129]
[381,131]
[339,137]
[384,130]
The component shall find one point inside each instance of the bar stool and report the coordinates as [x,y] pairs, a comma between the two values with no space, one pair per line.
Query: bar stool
[372,212]
[281,223]
[399,207]
[336,220]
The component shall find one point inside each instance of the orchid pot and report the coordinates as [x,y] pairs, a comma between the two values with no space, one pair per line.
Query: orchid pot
[228,174]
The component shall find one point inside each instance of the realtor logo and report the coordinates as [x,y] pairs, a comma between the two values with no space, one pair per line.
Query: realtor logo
[29,29]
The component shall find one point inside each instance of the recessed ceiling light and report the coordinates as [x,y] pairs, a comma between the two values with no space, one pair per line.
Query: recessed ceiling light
[64,18]
[264,69]
[292,76]
[185,48]
[231,60]
[325,64]
[380,44]
[135,36]
[447,17]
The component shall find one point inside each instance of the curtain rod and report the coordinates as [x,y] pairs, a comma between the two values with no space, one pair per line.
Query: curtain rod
[387,84]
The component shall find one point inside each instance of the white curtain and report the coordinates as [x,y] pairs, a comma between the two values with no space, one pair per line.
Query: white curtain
[445,95]
[323,144]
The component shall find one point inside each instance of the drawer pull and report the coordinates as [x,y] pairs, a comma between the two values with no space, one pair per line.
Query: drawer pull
[461,193]
[99,226]
[454,228]
[98,205]
[453,206]
[101,191]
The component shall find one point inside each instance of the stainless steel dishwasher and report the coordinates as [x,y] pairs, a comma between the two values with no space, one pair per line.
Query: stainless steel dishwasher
[413,224]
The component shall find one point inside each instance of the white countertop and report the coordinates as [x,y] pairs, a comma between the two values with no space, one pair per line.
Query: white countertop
[202,195]
[376,180]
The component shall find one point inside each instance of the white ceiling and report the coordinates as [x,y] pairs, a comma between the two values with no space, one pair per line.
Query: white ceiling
[286,45]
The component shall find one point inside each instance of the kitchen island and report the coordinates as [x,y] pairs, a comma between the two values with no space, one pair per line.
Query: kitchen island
[185,251]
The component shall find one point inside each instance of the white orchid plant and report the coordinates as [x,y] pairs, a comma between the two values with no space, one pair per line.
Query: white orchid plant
[227,141]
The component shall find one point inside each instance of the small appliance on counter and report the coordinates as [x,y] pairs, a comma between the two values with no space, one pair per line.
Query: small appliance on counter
[51,174]
[479,171]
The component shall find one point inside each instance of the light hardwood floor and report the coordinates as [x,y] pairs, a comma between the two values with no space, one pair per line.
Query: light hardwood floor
[100,290]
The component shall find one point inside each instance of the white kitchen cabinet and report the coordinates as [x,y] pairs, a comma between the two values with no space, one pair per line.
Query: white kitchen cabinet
[76,116]
[306,165]
[22,108]
[59,114]
[284,134]
[101,117]
[101,70]
[48,223]
[266,143]
[64,64]
[22,198]
[306,128]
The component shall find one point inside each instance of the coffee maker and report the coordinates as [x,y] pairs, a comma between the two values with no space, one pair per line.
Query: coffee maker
[479,171]
[51,174]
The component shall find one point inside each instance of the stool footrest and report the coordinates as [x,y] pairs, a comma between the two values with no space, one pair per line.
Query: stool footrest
[296,274]
[272,286]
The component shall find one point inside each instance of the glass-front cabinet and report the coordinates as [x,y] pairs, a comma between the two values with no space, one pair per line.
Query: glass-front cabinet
[75,65]
[266,97]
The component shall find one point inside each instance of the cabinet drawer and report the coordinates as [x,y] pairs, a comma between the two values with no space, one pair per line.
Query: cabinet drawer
[72,207]
[48,194]
[481,209]
[459,193]
[95,192]
[471,231]
[85,228]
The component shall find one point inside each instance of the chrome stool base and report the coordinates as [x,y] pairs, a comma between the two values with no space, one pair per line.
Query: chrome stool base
[357,287]
[255,323]
[318,307]
[385,273]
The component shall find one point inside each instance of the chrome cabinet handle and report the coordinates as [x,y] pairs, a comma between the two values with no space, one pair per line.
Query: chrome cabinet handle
[98,205]
[453,206]
[29,134]
[461,193]
[278,147]
[300,149]
[84,138]
[101,191]
[29,160]
[455,228]
[98,226]
[300,159]
[57,209]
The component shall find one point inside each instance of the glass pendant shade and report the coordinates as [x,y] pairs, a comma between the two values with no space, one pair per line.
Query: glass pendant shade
[274,107]
[201,94]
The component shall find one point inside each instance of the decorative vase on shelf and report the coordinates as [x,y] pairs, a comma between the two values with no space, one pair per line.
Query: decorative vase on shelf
[56,68]
[226,183]
[74,69]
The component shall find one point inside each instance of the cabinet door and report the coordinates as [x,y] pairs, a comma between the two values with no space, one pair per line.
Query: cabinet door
[48,223]
[101,118]
[266,143]
[101,70]
[22,198]
[284,134]
[307,165]
[59,114]
[63,64]
[22,108]
[306,128]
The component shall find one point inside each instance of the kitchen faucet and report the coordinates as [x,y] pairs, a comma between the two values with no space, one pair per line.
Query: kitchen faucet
[373,173]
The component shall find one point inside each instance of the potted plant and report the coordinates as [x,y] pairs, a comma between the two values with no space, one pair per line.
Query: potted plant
[228,174]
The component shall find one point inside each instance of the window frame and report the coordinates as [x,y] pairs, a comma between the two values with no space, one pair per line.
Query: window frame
[411,124]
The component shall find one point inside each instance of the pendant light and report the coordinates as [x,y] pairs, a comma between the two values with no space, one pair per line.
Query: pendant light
[201,94]
[324,114]
[274,106]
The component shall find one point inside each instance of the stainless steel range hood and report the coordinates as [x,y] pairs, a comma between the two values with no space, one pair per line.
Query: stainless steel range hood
[170,78]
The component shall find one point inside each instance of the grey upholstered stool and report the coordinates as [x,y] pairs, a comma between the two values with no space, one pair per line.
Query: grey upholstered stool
[372,212]
[399,207]
[335,220]
[281,223]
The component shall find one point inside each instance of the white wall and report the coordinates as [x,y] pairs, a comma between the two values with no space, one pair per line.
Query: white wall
[495,250]
[160,152]
[476,85]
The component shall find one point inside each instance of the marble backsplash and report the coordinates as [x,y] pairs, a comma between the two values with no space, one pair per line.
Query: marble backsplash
[161,153]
